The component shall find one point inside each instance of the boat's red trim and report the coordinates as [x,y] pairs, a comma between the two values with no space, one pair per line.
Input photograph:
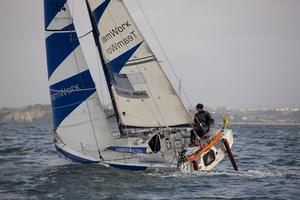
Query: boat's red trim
[198,153]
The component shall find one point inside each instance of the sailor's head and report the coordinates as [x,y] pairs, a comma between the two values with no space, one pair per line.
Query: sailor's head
[199,107]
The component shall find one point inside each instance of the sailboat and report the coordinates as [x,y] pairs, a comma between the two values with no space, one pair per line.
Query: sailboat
[154,124]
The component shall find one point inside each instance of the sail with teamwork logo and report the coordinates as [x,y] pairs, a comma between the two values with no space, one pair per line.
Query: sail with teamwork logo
[143,95]
[80,126]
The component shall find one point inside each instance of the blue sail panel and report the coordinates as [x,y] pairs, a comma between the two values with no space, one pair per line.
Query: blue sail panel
[119,62]
[69,27]
[98,12]
[59,47]
[68,94]
[51,8]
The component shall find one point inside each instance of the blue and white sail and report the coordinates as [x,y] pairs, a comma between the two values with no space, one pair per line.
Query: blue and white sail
[143,94]
[80,125]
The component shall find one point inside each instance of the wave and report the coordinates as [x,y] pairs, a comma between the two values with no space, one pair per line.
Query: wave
[263,174]
[59,161]
[251,174]
[245,174]
[14,150]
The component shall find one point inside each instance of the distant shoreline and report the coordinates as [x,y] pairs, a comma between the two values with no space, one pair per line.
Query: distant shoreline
[38,112]
[219,124]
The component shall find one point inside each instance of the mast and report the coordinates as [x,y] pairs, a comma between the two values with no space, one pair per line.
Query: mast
[105,69]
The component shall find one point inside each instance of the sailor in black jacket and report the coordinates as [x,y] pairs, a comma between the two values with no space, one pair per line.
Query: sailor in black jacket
[202,122]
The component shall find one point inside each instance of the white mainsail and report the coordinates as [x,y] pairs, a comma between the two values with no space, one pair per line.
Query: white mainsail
[79,120]
[143,95]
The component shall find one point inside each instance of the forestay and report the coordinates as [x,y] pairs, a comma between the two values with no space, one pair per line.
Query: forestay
[143,94]
[79,120]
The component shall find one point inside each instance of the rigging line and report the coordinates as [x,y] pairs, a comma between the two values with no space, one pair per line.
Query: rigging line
[142,58]
[82,36]
[65,106]
[126,131]
[168,61]
[88,108]
[157,107]
[175,157]
[73,14]
[139,62]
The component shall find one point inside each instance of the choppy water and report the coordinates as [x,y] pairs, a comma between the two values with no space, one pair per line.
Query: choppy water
[268,158]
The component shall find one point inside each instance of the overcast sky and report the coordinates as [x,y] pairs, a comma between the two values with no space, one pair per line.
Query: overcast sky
[233,53]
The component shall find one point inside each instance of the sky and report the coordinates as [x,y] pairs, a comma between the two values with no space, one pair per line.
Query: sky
[238,54]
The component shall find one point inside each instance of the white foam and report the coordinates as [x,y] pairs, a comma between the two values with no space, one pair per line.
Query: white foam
[262,174]
[59,162]
[247,174]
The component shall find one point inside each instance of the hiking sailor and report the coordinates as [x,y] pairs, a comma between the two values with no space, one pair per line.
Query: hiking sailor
[202,122]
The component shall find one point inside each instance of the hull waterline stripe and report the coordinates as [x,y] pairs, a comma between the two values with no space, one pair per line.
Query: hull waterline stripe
[129,167]
[128,149]
[73,157]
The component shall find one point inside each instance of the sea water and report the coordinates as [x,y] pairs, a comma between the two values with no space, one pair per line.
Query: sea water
[268,158]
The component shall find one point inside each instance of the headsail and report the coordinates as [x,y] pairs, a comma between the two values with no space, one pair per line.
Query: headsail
[143,94]
[79,120]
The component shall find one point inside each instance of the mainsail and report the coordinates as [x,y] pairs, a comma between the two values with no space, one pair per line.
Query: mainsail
[79,120]
[140,89]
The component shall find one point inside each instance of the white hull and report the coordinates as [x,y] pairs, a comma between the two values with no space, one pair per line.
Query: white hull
[136,153]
